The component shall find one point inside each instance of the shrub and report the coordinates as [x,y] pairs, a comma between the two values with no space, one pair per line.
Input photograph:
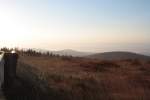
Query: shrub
[148,62]
[135,62]
[104,65]
[68,58]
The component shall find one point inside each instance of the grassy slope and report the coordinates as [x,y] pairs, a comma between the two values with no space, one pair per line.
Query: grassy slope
[84,79]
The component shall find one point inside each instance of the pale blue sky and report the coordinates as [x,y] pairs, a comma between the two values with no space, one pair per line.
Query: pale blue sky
[86,25]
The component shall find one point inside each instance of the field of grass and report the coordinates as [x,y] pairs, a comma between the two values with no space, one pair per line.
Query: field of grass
[68,78]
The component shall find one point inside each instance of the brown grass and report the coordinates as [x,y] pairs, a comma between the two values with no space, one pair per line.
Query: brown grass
[86,79]
[148,62]
[136,62]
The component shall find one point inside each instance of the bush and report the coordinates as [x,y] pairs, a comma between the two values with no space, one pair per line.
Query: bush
[135,62]
[148,62]
[104,65]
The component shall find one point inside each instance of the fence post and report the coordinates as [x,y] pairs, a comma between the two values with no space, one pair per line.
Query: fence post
[10,69]
[1,69]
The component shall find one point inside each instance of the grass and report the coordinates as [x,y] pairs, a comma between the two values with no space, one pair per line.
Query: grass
[69,78]
[148,62]
[136,62]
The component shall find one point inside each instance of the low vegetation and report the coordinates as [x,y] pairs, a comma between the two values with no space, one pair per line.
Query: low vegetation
[84,79]
[148,62]
[54,77]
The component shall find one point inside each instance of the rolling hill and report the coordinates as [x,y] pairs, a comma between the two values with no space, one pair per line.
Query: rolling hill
[74,53]
[74,78]
[118,55]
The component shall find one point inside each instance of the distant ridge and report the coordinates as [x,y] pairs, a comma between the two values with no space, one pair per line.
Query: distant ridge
[70,52]
[66,52]
[118,55]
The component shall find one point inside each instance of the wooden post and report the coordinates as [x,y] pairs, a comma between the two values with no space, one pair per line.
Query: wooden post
[1,69]
[10,64]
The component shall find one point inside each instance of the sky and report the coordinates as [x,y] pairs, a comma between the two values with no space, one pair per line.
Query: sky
[84,25]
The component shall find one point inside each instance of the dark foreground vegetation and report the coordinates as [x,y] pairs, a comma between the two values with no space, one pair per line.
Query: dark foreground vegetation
[53,77]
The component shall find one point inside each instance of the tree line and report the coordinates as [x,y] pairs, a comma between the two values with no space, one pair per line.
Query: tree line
[28,52]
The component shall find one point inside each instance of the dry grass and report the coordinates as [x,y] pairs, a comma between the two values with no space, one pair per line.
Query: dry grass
[148,62]
[136,62]
[86,79]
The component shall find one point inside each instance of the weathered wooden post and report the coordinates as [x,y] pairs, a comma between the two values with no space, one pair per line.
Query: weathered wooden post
[1,68]
[10,63]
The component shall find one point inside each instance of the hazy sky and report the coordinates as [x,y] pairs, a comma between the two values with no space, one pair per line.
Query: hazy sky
[86,25]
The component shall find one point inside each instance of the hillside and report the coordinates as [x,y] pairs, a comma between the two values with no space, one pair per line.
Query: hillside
[119,56]
[74,78]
